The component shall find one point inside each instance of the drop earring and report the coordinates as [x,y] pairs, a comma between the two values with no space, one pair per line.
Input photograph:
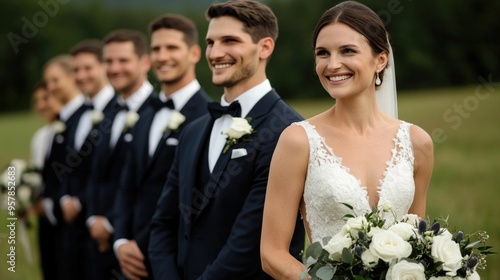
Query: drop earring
[378,81]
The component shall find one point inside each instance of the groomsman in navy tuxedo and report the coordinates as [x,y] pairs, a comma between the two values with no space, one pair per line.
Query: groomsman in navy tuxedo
[127,64]
[59,161]
[208,219]
[174,55]
[90,77]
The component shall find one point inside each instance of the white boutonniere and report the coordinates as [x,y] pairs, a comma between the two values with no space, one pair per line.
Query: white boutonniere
[96,117]
[176,120]
[59,127]
[130,119]
[239,127]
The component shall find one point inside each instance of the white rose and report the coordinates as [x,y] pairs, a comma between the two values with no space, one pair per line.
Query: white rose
[354,225]
[131,119]
[176,119]
[24,195]
[20,166]
[404,230]
[337,244]
[387,245]
[59,127]
[373,231]
[411,219]
[445,250]
[369,259]
[239,127]
[96,117]
[33,179]
[386,206]
[405,270]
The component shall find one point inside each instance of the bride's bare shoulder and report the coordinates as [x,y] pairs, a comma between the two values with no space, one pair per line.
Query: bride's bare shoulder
[421,141]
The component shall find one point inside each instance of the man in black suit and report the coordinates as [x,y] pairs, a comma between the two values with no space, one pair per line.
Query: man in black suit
[127,64]
[208,220]
[58,75]
[174,55]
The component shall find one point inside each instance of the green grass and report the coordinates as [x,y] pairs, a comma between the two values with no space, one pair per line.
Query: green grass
[465,183]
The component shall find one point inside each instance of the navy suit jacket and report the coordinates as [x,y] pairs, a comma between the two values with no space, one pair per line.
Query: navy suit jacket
[145,176]
[106,169]
[76,181]
[215,233]
[60,163]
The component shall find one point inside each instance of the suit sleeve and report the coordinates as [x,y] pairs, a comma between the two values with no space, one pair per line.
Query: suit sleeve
[162,248]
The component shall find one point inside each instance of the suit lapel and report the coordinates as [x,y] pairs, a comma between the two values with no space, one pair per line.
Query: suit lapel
[258,115]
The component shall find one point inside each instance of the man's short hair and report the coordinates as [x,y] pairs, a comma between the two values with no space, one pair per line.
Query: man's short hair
[259,20]
[179,23]
[88,46]
[126,35]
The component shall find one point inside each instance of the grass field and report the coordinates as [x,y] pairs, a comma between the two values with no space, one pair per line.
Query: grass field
[465,126]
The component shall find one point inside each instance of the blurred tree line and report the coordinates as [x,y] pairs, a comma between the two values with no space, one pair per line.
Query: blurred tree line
[435,43]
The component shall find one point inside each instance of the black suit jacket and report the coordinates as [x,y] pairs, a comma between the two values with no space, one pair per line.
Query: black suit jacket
[145,176]
[215,233]
[60,162]
[76,181]
[107,166]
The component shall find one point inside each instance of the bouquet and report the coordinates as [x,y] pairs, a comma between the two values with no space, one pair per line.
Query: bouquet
[367,248]
[21,183]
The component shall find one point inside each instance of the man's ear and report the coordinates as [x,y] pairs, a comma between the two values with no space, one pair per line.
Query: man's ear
[266,48]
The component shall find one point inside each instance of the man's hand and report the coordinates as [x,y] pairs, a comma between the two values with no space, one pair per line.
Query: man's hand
[38,208]
[70,209]
[132,261]
[100,234]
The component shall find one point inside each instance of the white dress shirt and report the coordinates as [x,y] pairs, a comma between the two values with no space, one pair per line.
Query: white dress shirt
[162,117]
[134,102]
[100,100]
[247,100]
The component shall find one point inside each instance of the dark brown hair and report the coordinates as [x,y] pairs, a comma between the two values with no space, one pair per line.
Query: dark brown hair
[125,35]
[360,18]
[179,23]
[88,46]
[258,19]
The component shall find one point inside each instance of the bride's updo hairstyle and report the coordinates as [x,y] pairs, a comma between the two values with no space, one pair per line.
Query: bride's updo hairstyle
[360,18]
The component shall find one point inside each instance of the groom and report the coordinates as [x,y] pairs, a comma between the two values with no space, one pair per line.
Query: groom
[208,219]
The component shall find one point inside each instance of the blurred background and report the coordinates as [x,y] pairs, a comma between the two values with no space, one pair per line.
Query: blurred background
[447,57]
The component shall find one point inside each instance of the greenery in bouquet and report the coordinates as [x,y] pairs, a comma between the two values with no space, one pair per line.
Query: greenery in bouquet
[20,185]
[368,247]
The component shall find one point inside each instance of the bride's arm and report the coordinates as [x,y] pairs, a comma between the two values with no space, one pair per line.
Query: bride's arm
[283,196]
[423,165]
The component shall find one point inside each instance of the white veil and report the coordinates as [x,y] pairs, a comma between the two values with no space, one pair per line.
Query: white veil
[386,93]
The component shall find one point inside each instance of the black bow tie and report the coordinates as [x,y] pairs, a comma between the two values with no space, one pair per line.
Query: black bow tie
[167,104]
[88,106]
[216,110]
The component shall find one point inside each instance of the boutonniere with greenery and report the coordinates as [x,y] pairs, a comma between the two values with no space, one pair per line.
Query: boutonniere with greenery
[130,119]
[59,127]
[176,120]
[97,117]
[239,127]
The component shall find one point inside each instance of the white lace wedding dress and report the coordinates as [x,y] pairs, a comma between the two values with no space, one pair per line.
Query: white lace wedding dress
[329,184]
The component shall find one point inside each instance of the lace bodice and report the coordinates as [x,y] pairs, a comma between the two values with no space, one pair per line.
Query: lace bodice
[329,184]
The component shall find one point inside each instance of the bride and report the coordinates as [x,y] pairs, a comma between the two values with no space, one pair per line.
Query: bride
[352,153]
